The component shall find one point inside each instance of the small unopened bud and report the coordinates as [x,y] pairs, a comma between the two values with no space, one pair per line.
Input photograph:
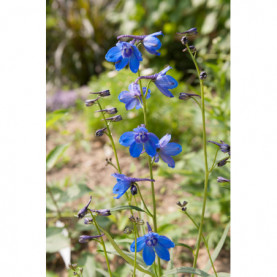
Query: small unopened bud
[191,31]
[222,180]
[103,212]
[222,162]
[134,189]
[91,102]
[103,93]
[184,40]
[84,239]
[132,219]
[186,96]
[182,204]
[88,220]
[128,230]
[114,118]
[184,209]
[203,75]
[83,211]
[100,132]
[109,111]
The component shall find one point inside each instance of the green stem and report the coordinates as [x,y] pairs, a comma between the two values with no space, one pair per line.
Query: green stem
[103,243]
[150,167]
[149,213]
[135,260]
[212,167]
[205,160]
[205,242]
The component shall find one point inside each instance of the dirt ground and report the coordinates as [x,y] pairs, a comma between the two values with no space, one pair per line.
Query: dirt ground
[91,165]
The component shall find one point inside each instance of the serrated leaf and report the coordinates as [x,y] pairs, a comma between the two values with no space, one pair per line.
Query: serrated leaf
[120,208]
[218,247]
[184,269]
[55,240]
[54,155]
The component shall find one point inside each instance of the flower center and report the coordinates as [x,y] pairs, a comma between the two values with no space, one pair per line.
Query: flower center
[141,137]
[127,50]
[151,241]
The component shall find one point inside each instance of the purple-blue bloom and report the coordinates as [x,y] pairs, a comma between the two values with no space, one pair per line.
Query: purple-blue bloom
[132,97]
[152,43]
[167,149]
[124,183]
[124,53]
[151,243]
[138,139]
[84,210]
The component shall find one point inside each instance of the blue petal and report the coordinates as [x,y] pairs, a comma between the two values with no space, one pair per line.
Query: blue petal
[120,177]
[167,159]
[164,140]
[172,149]
[140,244]
[153,138]
[131,104]
[165,242]
[135,149]
[140,129]
[163,90]
[162,252]
[134,64]
[113,55]
[127,138]
[121,64]
[148,255]
[152,44]
[150,148]
[163,72]
[156,158]
[137,53]
[148,93]
[125,96]
[166,81]
[120,188]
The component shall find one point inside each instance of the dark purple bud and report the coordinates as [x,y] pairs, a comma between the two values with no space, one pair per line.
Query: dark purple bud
[103,212]
[191,47]
[131,36]
[203,75]
[222,162]
[132,219]
[184,40]
[100,132]
[225,148]
[114,118]
[83,211]
[184,209]
[149,227]
[182,204]
[102,93]
[88,220]
[191,31]
[222,180]
[91,102]
[109,111]
[84,238]
[186,96]
[134,189]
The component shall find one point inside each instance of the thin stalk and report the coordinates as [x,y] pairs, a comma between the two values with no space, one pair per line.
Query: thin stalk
[205,159]
[135,260]
[205,242]
[103,243]
[150,214]
[212,167]
[150,168]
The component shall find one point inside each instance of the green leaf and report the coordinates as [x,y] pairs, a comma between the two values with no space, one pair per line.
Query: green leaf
[184,245]
[120,208]
[54,155]
[88,263]
[218,247]
[53,117]
[55,240]
[123,255]
[184,269]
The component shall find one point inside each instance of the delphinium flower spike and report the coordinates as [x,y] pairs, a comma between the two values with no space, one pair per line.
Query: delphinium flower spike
[132,98]
[139,138]
[84,210]
[162,81]
[166,149]
[224,147]
[124,183]
[151,243]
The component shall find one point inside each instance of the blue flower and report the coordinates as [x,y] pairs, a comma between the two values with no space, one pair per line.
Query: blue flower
[124,53]
[124,183]
[167,149]
[152,43]
[132,97]
[165,82]
[138,139]
[151,243]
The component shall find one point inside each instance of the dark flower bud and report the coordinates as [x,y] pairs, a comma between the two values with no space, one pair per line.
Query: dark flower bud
[222,180]
[203,75]
[128,230]
[88,220]
[84,238]
[134,189]
[225,148]
[182,204]
[83,211]
[103,212]
[184,209]
[184,40]
[100,132]
[114,118]
[91,102]
[103,93]
[132,219]
[191,31]
[191,47]
[186,96]
[222,162]
[109,111]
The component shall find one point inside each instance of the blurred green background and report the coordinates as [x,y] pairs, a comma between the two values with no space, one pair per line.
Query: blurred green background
[79,34]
